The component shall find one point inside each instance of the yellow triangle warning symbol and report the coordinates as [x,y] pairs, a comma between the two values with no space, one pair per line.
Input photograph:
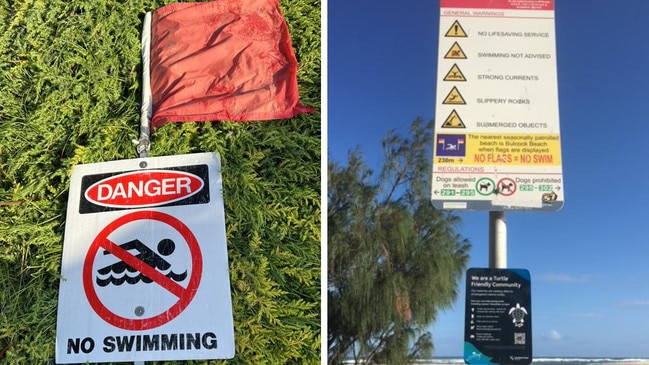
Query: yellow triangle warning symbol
[454,74]
[454,97]
[455,30]
[453,121]
[455,52]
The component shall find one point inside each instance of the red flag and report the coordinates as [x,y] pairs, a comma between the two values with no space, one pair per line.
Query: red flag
[222,60]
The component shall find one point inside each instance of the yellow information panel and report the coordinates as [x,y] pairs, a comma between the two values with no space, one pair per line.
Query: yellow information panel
[495,149]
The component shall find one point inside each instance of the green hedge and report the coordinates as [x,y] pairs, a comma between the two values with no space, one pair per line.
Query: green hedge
[69,94]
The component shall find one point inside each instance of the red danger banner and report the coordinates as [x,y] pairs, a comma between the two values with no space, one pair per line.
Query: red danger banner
[499,4]
[105,192]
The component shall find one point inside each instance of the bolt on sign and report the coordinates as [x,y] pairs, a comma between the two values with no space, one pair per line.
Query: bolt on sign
[497,142]
[145,270]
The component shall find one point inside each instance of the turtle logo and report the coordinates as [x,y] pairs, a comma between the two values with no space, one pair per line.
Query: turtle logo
[518,314]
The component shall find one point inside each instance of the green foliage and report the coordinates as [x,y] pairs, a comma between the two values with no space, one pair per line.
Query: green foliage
[69,94]
[394,260]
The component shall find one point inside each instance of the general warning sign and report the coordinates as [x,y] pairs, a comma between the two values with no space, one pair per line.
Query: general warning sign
[497,140]
[144,272]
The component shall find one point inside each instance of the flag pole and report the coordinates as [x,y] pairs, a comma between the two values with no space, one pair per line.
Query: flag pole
[146,110]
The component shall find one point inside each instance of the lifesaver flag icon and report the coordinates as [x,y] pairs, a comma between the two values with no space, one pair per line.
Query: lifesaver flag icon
[120,272]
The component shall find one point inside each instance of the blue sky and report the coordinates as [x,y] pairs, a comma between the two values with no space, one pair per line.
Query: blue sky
[588,261]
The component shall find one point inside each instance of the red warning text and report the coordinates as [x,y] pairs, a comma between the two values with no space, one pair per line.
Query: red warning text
[144,189]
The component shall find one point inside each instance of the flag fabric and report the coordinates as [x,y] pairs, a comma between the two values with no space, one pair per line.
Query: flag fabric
[222,60]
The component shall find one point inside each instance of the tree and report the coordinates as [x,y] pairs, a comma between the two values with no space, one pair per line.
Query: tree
[394,261]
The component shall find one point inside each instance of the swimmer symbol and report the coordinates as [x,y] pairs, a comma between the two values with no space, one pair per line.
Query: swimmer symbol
[165,247]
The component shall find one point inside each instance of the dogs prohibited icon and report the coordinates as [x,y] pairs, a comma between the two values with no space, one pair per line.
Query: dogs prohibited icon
[506,187]
[142,270]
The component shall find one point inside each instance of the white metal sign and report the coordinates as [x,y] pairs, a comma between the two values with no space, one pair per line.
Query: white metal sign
[497,142]
[144,270]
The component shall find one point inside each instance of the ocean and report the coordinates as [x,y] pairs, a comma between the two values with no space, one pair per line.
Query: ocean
[541,361]
[550,361]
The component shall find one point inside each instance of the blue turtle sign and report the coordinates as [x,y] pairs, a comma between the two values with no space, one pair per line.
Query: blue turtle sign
[498,317]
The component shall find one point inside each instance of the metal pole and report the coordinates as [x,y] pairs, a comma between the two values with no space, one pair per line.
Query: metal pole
[147,104]
[497,240]
[147,101]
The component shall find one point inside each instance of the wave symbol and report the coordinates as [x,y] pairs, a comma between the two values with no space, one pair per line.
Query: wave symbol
[166,247]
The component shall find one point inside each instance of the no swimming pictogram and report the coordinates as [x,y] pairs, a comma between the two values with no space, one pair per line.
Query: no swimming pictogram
[165,247]
[119,265]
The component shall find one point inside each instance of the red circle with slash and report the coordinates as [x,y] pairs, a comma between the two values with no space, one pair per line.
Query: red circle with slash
[184,295]
[506,187]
